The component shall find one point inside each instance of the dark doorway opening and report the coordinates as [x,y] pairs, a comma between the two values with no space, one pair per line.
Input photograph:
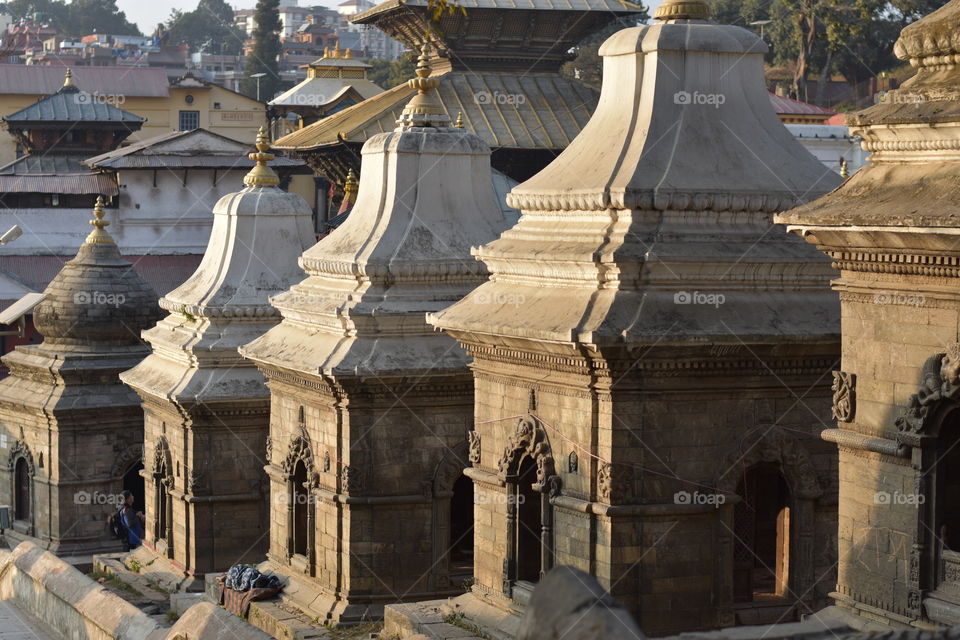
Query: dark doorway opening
[300,505]
[529,522]
[22,490]
[133,482]
[762,526]
[461,530]
[948,468]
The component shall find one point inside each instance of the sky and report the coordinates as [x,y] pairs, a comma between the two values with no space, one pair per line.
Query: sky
[147,13]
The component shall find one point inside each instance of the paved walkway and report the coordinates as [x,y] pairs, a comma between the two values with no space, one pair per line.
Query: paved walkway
[17,625]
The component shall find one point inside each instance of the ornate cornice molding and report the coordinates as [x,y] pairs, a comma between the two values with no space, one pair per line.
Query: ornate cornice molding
[898,263]
[749,201]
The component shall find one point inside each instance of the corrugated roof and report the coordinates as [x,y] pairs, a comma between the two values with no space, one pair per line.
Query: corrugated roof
[45,164]
[317,92]
[70,104]
[540,5]
[789,106]
[76,184]
[140,82]
[198,148]
[535,111]
[163,273]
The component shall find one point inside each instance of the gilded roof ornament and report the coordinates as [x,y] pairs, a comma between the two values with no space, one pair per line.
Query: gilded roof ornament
[424,109]
[459,123]
[682,10]
[99,233]
[261,175]
[351,187]
[68,79]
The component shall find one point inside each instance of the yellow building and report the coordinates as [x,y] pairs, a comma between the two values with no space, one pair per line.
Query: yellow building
[186,104]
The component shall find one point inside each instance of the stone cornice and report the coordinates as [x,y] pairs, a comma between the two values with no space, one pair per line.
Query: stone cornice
[747,201]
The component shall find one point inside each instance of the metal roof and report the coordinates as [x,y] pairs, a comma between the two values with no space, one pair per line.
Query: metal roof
[789,106]
[198,148]
[90,184]
[140,82]
[535,111]
[319,92]
[540,5]
[45,164]
[70,104]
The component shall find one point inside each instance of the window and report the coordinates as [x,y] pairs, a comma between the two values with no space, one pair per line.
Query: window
[22,483]
[189,120]
[216,105]
[300,506]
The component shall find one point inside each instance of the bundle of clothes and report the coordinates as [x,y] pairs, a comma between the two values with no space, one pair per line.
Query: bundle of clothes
[244,583]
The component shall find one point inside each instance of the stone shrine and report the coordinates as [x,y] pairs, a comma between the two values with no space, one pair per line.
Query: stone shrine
[71,434]
[370,405]
[891,231]
[654,372]
[205,409]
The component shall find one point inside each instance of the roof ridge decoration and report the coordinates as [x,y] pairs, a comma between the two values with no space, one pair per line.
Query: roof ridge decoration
[262,175]
[424,109]
[68,79]
[682,10]
[99,234]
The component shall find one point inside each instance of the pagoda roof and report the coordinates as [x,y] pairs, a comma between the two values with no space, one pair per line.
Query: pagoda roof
[551,112]
[539,5]
[70,104]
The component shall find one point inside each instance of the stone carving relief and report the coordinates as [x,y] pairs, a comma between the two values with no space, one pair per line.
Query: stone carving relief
[573,462]
[299,450]
[326,462]
[777,446]
[844,396]
[269,449]
[940,380]
[450,468]
[474,447]
[162,462]
[20,449]
[614,482]
[530,438]
[351,479]
[126,458]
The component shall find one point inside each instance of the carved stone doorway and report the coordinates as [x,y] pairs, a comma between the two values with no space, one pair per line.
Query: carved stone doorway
[762,527]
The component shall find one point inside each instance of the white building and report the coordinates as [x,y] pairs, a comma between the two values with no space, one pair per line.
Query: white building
[830,144]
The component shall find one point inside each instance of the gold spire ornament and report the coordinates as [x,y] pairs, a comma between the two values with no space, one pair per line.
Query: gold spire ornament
[682,10]
[844,170]
[424,109]
[351,187]
[262,175]
[99,233]
[459,123]
[68,80]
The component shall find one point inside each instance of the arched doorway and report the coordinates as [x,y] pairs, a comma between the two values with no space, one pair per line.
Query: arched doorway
[529,523]
[460,544]
[300,501]
[163,501]
[22,490]
[763,532]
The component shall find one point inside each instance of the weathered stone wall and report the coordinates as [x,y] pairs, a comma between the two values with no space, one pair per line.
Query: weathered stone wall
[670,563]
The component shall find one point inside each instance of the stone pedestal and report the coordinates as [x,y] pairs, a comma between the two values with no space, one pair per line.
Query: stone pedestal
[370,406]
[891,231]
[655,344]
[206,409]
[70,431]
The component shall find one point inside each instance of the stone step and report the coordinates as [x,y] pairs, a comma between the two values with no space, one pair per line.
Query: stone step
[283,622]
[150,592]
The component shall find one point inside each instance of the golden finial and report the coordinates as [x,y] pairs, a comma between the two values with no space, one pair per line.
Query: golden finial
[261,175]
[424,109]
[682,10]
[68,80]
[326,52]
[459,123]
[336,50]
[347,54]
[99,233]
[351,187]
[844,170]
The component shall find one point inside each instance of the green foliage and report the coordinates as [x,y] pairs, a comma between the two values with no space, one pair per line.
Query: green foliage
[208,28]
[266,52]
[821,37]
[587,65]
[78,18]
[390,73]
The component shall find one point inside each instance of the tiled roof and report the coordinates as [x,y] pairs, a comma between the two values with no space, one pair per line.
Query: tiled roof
[76,184]
[70,104]
[45,164]
[131,82]
[535,111]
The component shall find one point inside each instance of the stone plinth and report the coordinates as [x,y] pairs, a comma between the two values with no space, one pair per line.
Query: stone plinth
[70,431]
[656,344]
[891,231]
[206,409]
[370,406]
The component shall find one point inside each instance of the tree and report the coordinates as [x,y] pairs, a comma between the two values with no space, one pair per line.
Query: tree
[98,16]
[208,28]
[390,73]
[53,12]
[266,51]
[587,65]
